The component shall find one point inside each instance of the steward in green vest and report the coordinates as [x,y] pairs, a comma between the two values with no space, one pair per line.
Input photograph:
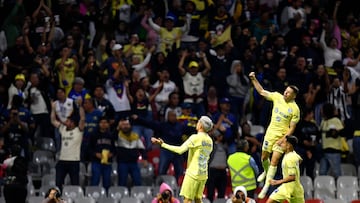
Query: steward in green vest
[243,168]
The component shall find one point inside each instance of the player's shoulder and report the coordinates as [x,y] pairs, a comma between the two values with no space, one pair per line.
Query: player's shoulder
[293,156]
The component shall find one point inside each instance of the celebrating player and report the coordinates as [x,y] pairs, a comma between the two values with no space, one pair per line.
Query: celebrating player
[290,188]
[200,146]
[285,116]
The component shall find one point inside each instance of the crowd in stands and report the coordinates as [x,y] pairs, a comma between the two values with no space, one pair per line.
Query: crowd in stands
[121,71]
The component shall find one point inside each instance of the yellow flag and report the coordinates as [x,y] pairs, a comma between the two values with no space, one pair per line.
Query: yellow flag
[224,37]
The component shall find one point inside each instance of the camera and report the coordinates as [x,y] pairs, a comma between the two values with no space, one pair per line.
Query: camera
[165,195]
[57,195]
[238,196]
[6,60]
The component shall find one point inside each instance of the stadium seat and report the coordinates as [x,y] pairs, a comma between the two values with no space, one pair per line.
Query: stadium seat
[45,143]
[348,169]
[147,173]
[45,162]
[118,192]
[48,180]
[347,194]
[347,182]
[220,200]
[356,201]
[314,201]
[256,129]
[141,192]
[130,200]
[107,200]
[42,156]
[31,190]
[95,192]
[84,200]
[34,199]
[332,200]
[325,182]
[323,193]
[205,200]
[308,186]
[168,179]
[262,200]
[73,191]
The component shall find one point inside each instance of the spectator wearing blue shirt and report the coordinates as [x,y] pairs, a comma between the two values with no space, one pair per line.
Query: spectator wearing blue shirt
[171,131]
[92,117]
[102,147]
[226,123]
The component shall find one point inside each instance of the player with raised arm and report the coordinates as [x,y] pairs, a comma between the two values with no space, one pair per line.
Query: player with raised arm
[199,146]
[284,117]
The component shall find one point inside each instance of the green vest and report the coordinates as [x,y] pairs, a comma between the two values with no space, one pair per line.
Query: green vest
[241,171]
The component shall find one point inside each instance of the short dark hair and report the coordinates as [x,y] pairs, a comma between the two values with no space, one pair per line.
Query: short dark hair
[292,140]
[241,145]
[294,88]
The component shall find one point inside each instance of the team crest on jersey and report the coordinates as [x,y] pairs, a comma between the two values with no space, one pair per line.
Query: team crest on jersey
[276,110]
[290,110]
[266,144]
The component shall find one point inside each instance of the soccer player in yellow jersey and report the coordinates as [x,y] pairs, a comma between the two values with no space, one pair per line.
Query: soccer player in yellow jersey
[200,146]
[285,116]
[290,188]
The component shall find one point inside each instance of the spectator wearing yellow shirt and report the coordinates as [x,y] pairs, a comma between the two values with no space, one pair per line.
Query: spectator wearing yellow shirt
[135,48]
[170,35]
[66,68]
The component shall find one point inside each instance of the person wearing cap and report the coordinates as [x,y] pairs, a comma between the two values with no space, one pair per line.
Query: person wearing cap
[226,122]
[243,168]
[290,188]
[240,196]
[114,62]
[331,129]
[17,88]
[169,35]
[194,81]
[187,117]
[285,116]
[117,88]
[200,146]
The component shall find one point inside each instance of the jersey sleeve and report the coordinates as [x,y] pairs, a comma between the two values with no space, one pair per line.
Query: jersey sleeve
[296,114]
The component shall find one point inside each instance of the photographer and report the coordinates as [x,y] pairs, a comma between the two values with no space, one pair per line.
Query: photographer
[15,130]
[165,195]
[53,195]
[240,196]
[15,180]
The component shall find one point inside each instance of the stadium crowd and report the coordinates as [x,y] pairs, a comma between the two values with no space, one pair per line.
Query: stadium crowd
[122,71]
